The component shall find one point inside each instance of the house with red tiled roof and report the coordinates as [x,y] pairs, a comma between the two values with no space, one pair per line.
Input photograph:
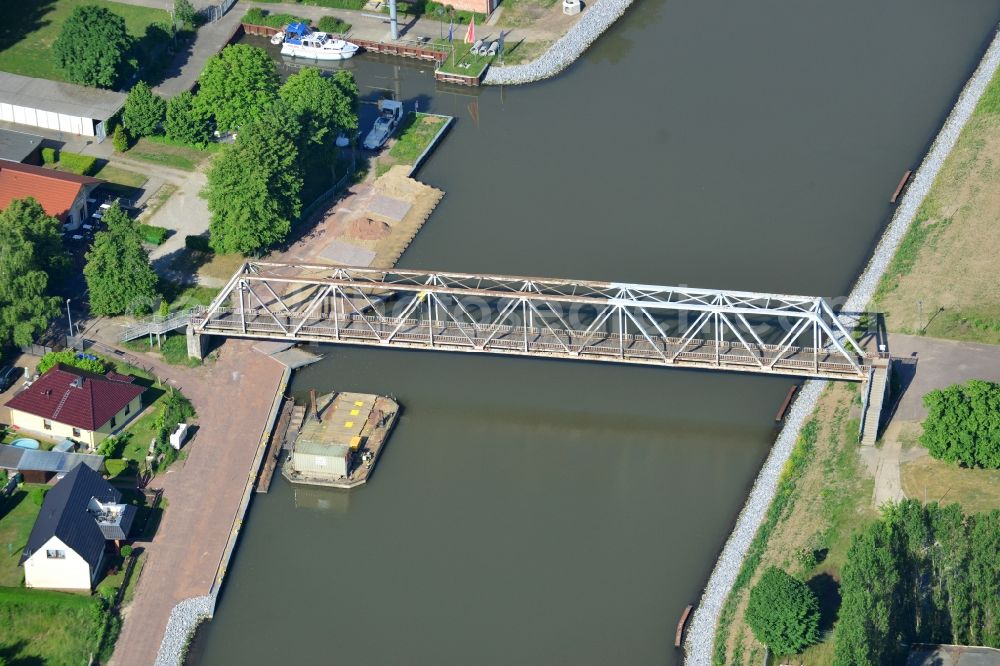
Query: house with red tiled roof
[67,402]
[62,195]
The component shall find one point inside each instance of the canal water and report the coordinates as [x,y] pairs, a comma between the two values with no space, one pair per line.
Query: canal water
[538,512]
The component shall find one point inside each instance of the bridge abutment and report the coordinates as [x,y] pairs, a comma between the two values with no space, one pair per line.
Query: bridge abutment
[195,344]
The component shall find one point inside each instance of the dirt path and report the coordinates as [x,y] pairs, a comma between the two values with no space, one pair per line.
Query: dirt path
[232,396]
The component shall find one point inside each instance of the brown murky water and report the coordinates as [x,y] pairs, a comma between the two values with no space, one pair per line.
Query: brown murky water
[534,512]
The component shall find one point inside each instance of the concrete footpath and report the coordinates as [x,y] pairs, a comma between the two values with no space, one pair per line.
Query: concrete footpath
[232,396]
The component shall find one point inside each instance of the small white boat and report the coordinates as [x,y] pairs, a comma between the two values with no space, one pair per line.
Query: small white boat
[301,42]
[390,113]
[278,37]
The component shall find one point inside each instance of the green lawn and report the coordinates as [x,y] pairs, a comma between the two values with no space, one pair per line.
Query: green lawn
[418,130]
[17,516]
[159,150]
[461,61]
[119,176]
[41,627]
[27,33]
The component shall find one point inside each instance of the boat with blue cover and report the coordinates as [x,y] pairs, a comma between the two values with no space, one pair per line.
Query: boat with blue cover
[299,41]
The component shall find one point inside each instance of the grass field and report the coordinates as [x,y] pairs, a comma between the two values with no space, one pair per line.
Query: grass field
[17,516]
[830,499]
[977,490]
[158,150]
[40,627]
[947,261]
[27,34]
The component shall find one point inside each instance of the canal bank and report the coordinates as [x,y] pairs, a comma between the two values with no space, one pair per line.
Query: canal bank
[702,634]
[550,474]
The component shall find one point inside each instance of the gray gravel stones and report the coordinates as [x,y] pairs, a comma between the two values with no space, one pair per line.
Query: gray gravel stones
[596,18]
[184,618]
[701,634]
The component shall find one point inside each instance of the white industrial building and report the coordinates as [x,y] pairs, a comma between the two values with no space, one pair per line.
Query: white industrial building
[57,106]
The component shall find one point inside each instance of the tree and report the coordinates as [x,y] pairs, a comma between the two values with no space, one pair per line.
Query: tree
[119,139]
[184,13]
[346,112]
[237,86]
[118,273]
[963,424]
[30,256]
[144,111]
[783,612]
[92,45]
[187,121]
[314,99]
[253,187]
[126,551]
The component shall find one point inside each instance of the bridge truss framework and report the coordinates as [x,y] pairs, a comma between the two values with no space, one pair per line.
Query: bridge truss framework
[540,317]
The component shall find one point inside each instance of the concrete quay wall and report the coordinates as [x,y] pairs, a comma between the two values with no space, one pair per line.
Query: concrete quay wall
[698,646]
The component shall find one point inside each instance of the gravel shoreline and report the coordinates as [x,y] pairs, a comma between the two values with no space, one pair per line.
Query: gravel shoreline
[699,644]
[184,619]
[597,17]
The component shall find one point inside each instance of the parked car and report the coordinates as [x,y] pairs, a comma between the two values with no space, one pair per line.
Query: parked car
[7,377]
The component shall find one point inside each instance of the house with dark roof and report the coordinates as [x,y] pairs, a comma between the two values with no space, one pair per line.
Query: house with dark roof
[62,195]
[79,515]
[67,402]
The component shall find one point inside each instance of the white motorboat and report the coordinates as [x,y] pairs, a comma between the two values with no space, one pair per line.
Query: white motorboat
[301,42]
[390,113]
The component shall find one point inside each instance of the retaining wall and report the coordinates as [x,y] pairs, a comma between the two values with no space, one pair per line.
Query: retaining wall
[701,635]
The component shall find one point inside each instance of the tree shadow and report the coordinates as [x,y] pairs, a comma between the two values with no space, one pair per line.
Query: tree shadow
[8,504]
[27,18]
[10,655]
[827,590]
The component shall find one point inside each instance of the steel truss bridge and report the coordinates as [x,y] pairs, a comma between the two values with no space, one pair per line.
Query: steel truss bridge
[550,318]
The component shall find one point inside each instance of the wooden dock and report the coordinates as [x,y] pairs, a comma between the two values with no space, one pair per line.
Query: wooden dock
[899,188]
[274,447]
[784,405]
[679,635]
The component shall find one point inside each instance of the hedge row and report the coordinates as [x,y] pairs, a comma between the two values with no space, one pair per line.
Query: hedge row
[153,234]
[257,16]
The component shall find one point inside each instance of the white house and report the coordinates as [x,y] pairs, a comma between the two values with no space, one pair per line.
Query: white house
[66,548]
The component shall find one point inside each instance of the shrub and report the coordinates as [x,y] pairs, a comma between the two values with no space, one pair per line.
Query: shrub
[37,495]
[49,156]
[126,552]
[153,234]
[258,16]
[185,13]
[783,613]
[333,24]
[83,165]
[119,139]
[337,4]
[69,357]
[197,243]
[963,424]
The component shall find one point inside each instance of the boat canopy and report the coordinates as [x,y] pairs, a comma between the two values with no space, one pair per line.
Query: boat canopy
[297,29]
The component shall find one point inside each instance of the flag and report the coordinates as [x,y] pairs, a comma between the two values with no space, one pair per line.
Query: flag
[451,31]
[470,34]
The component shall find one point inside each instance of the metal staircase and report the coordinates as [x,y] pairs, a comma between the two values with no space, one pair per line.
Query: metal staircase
[158,324]
[875,393]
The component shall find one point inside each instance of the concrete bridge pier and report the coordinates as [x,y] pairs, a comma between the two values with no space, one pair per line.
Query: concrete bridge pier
[195,343]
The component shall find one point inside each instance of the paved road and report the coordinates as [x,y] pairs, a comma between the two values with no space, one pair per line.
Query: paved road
[232,396]
[926,364]
[940,363]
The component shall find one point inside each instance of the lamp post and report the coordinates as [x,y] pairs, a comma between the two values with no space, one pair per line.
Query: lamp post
[69,317]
